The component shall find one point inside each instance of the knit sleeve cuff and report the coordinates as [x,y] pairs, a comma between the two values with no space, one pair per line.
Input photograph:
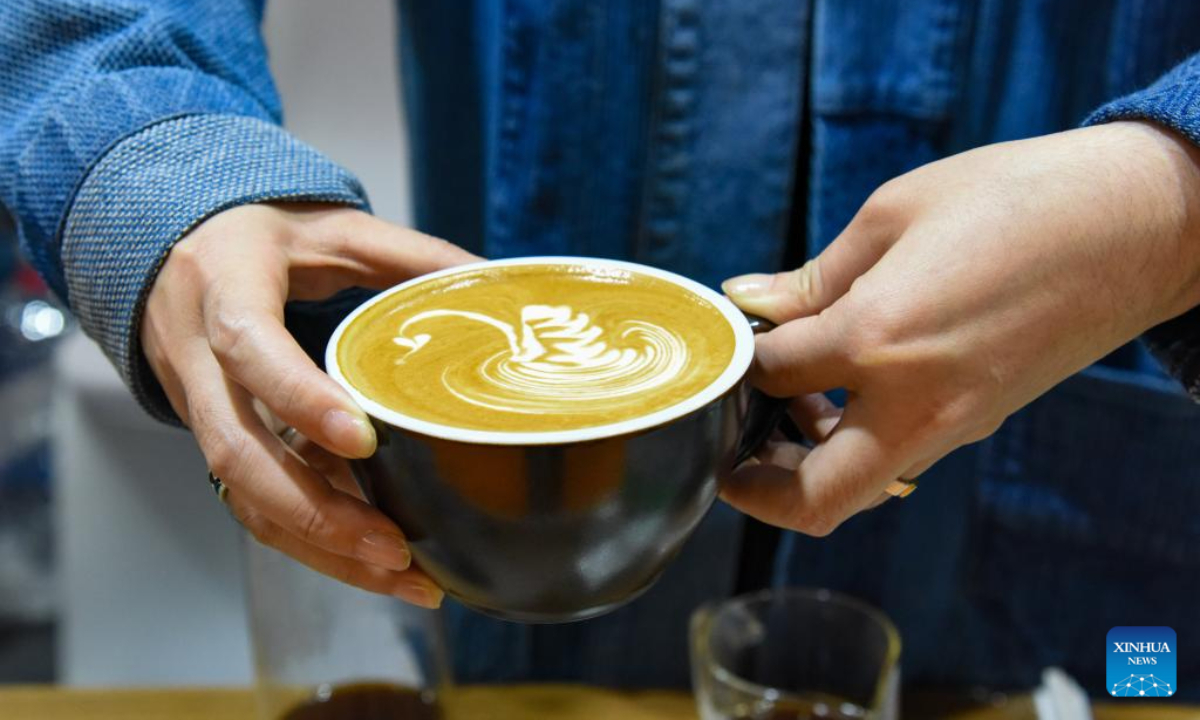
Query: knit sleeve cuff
[152,188]
[1174,102]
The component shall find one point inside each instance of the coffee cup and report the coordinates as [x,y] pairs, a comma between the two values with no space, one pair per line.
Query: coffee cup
[528,516]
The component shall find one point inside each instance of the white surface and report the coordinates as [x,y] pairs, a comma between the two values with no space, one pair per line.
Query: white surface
[335,67]
[148,558]
[150,561]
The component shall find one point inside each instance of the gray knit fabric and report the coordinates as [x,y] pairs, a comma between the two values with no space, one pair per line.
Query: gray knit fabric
[153,187]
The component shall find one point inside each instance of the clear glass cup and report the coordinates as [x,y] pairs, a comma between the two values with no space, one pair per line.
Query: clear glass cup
[323,649]
[794,654]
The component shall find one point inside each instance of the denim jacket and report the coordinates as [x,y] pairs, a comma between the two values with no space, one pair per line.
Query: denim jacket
[688,135]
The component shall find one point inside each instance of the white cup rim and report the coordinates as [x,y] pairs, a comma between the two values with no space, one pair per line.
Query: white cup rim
[743,354]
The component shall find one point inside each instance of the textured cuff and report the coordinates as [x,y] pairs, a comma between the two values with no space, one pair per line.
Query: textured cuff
[1173,101]
[84,126]
[148,191]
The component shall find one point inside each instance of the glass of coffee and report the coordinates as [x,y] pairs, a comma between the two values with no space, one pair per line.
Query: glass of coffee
[323,649]
[794,654]
[550,430]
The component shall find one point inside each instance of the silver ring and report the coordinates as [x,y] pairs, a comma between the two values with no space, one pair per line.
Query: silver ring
[288,434]
[900,488]
[220,488]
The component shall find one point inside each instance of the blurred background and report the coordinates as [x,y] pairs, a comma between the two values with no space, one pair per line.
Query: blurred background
[85,477]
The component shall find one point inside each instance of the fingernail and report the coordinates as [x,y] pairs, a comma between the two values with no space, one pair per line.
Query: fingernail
[746,286]
[422,594]
[384,549]
[352,433]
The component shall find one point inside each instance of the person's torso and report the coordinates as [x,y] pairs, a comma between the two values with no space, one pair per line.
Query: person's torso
[700,136]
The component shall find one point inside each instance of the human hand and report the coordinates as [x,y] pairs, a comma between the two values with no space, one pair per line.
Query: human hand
[959,293]
[214,336]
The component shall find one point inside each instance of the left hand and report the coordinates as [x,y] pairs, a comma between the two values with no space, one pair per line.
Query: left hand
[959,293]
[213,333]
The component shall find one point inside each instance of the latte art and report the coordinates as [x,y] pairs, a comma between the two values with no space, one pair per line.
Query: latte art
[556,356]
[535,348]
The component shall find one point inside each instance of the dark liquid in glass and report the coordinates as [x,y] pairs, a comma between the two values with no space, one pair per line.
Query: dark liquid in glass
[369,701]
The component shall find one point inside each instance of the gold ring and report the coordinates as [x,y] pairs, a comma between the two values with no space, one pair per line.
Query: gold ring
[900,488]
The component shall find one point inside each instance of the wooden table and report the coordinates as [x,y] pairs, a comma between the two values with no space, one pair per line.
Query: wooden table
[520,702]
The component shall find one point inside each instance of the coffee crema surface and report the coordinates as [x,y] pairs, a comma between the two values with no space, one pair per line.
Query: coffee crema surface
[532,348]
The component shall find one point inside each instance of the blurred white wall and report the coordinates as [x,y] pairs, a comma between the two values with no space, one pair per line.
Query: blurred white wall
[335,66]
[150,563]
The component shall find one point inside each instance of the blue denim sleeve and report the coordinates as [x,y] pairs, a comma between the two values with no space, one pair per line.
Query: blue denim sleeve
[1172,101]
[122,125]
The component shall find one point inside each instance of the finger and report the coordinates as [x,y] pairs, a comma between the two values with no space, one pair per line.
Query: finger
[167,320]
[879,500]
[800,357]
[411,585]
[173,388]
[815,415]
[912,473]
[359,249]
[335,469]
[390,253]
[266,476]
[782,454]
[243,318]
[836,479]
[917,469]
[817,284]
[271,421]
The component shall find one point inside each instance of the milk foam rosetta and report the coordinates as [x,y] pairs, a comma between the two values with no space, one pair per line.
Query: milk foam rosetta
[555,356]
[541,347]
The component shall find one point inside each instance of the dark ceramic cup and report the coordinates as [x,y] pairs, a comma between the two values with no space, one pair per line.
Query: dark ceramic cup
[564,525]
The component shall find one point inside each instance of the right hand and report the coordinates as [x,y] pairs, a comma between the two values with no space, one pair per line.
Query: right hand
[214,336]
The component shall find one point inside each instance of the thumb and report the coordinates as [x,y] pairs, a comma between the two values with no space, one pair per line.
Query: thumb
[389,253]
[342,247]
[783,296]
[817,284]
